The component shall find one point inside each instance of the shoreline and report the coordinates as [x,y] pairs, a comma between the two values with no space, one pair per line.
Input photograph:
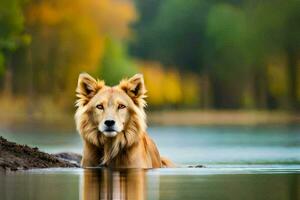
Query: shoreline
[190,118]
[15,157]
[65,121]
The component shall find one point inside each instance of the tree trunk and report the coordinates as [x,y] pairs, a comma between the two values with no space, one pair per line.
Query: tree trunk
[205,91]
[292,81]
[261,89]
[7,89]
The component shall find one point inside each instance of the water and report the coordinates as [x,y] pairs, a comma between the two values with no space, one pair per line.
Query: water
[241,163]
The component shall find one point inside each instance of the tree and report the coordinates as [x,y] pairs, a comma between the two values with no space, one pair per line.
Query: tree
[175,36]
[11,37]
[228,55]
[228,43]
[115,63]
[67,39]
[278,34]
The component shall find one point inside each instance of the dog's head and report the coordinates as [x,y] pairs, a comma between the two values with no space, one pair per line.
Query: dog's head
[111,110]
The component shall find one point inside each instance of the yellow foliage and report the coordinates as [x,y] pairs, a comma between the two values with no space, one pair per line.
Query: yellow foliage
[68,37]
[172,87]
[154,80]
[43,13]
[277,76]
[169,87]
[191,89]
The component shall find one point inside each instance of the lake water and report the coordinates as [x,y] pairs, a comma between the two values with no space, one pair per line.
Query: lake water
[241,162]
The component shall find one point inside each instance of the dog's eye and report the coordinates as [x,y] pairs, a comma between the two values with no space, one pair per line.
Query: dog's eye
[100,107]
[121,106]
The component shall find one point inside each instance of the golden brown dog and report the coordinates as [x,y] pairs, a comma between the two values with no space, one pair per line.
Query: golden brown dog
[112,124]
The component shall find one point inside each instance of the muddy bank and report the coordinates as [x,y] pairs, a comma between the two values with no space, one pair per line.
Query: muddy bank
[15,156]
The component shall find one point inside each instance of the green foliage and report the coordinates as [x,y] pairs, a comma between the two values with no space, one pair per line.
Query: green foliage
[227,24]
[115,63]
[175,35]
[1,64]
[227,31]
[245,53]
[11,20]
[11,28]
[231,42]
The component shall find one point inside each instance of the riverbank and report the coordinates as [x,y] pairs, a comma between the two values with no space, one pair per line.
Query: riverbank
[20,157]
[197,117]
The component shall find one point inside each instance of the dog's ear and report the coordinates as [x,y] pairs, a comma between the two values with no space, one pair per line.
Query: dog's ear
[87,87]
[135,88]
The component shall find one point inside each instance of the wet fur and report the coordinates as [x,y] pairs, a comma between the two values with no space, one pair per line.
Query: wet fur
[131,148]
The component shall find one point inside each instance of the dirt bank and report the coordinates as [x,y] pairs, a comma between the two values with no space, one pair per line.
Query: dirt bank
[14,157]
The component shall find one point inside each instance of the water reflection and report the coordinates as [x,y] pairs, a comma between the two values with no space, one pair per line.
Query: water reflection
[280,183]
[113,184]
[96,184]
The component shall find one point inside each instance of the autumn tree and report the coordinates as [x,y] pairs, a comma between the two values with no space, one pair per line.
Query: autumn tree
[67,38]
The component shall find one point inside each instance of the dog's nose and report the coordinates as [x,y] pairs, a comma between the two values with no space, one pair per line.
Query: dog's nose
[109,123]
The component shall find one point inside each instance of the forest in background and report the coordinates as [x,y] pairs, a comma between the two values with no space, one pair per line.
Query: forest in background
[195,54]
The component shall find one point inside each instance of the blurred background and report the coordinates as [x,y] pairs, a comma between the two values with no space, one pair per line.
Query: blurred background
[211,61]
[223,80]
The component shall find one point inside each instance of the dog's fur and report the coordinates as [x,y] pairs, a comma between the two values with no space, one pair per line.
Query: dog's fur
[125,144]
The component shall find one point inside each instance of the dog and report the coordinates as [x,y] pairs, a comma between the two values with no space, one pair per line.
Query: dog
[112,124]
